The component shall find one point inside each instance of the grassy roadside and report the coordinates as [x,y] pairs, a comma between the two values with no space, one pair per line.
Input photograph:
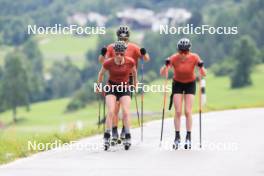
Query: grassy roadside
[47,121]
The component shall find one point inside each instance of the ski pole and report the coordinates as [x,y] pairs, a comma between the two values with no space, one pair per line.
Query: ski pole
[164,103]
[99,111]
[104,120]
[202,99]
[200,114]
[142,97]
[137,109]
[136,101]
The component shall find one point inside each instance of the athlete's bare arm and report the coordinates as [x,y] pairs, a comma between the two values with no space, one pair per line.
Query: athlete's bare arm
[201,68]
[202,71]
[146,57]
[164,68]
[101,75]
[102,56]
[101,59]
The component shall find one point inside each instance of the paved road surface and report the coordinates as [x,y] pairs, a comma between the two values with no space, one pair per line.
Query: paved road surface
[233,145]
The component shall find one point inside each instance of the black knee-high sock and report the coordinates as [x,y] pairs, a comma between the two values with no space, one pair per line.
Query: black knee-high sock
[177,135]
[114,129]
[188,135]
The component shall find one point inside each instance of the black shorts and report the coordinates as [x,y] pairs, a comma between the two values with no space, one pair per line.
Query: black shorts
[183,88]
[117,93]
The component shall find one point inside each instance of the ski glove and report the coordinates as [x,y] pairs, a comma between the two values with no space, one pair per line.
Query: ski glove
[167,62]
[143,51]
[103,51]
[200,64]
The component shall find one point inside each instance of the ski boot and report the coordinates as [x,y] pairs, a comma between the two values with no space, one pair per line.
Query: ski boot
[176,144]
[122,135]
[106,141]
[177,141]
[188,143]
[127,141]
[115,139]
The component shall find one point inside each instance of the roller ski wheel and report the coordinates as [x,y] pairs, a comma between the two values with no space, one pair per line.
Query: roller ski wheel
[127,146]
[119,141]
[114,142]
[187,145]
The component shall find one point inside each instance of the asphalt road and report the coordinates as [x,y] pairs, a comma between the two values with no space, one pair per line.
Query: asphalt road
[233,144]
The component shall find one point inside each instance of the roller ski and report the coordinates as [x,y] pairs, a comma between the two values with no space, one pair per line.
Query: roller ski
[106,141]
[127,141]
[115,141]
[177,141]
[188,143]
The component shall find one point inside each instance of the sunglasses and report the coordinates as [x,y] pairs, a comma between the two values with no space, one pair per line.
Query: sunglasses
[119,53]
[123,38]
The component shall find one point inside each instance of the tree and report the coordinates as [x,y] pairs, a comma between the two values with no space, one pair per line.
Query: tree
[196,19]
[15,31]
[223,68]
[245,56]
[15,82]
[35,70]
[2,105]
[82,97]
[261,55]
[65,78]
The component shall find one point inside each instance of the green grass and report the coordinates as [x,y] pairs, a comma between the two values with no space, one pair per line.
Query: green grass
[57,47]
[46,120]
[44,123]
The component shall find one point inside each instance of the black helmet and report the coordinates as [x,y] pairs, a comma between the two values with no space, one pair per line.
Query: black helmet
[120,46]
[123,31]
[184,44]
